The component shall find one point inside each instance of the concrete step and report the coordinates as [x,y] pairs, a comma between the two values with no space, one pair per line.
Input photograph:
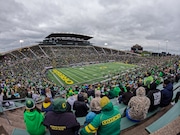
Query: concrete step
[3,131]
[17,111]
[15,119]
[9,128]
[18,124]
[16,116]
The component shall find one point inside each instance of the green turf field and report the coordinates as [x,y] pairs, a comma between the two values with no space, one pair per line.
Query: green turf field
[86,74]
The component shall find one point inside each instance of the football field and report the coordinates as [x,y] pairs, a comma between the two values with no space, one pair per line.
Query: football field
[86,74]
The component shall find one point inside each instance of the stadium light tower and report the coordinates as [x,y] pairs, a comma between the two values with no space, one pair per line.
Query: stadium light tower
[166,45]
[158,48]
[105,44]
[21,41]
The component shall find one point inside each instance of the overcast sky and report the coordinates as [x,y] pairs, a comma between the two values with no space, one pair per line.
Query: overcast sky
[153,24]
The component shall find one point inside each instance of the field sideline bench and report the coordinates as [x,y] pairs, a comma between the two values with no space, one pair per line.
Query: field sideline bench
[168,117]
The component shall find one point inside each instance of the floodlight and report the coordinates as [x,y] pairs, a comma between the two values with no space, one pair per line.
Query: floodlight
[21,41]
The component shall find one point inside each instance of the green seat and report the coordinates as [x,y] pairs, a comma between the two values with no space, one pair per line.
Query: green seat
[1,109]
[176,85]
[17,105]
[160,86]
[81,120]
[121,106]
[40,101]
[169,116]
[175,92]
[126,123]
[18,131]
[114,101]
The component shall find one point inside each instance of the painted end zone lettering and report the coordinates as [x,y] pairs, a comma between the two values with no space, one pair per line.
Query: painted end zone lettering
[62,76]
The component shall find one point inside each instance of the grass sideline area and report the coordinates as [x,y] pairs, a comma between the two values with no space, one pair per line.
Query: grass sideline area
[87,73]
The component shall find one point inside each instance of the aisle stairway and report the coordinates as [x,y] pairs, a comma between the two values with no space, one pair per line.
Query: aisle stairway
[15,118]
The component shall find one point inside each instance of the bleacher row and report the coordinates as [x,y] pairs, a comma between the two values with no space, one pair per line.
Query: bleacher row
[171,114]
[18,103]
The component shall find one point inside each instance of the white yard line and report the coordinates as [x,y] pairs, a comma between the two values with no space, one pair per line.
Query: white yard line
[73,75]
[57,78]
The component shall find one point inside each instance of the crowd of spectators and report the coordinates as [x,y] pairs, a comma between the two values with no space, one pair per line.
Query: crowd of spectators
[21,76]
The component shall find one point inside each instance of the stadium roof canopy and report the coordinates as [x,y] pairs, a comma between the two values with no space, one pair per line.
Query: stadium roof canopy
[84,37]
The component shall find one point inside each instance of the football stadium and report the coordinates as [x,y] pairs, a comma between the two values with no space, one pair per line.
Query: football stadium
[69,68]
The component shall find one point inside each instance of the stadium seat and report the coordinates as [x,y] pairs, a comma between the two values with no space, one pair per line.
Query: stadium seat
[121,106]
[176,85]
[126,123]
[18,131]
[1,109]
[81,120]
[17,105]
[160,86]
[175,92]
[169,116]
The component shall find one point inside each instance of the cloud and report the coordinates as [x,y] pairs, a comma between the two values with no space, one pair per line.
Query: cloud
[120,23]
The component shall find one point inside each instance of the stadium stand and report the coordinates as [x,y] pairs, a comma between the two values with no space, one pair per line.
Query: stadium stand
[169,116]
[23,68]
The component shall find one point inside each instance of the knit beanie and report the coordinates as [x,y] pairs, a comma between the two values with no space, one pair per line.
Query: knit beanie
[104,101]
